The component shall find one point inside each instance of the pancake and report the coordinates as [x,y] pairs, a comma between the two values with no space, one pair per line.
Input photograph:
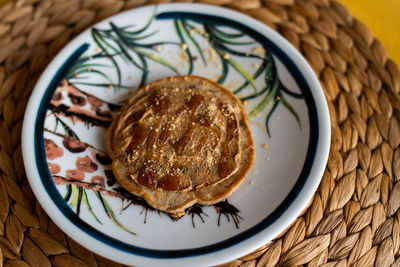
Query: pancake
[180,141]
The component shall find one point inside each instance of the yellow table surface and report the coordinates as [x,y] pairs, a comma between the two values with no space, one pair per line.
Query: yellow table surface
[381,16]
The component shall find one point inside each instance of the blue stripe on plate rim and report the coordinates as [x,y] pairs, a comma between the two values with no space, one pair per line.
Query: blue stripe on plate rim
[58,200]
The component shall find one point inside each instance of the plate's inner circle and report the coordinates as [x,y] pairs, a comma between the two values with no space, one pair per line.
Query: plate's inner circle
[118,56]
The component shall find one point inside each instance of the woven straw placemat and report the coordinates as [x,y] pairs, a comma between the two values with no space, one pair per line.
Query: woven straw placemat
[354,217]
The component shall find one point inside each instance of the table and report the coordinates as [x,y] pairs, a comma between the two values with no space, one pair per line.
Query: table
[354,217]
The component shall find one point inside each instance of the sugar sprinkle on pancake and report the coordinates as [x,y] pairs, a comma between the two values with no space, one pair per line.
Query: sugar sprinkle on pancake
[180,141]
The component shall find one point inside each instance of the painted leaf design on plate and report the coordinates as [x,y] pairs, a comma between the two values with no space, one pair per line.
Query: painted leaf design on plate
[91,179]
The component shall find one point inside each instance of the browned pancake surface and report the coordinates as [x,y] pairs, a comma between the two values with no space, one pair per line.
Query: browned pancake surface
[179,141]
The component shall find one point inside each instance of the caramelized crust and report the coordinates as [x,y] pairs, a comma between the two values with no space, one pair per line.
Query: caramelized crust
[180,141]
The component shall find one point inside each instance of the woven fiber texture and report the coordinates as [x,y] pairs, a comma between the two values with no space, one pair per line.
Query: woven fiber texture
[354,217]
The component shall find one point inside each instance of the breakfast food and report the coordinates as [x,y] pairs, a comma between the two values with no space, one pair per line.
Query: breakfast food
[180,141]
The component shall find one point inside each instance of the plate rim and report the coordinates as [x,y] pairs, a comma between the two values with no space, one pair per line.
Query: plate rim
[223,254]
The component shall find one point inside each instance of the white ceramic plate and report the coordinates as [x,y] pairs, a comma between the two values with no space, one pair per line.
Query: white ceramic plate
[81,90]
